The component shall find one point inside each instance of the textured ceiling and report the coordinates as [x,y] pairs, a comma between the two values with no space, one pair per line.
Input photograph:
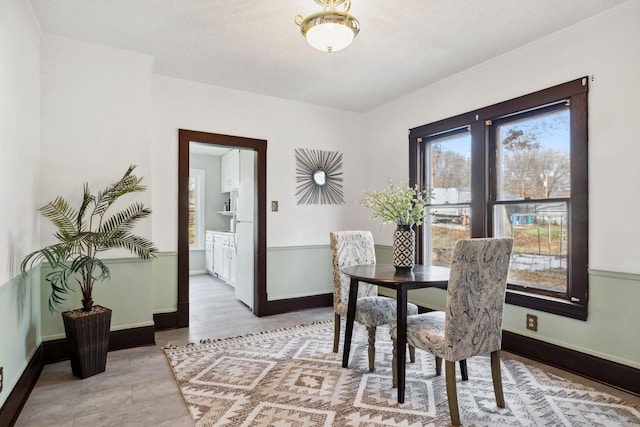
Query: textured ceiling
[255,46]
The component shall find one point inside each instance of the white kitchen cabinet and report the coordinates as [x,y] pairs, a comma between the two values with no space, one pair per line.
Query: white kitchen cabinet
[224,256]
[208,253]
[230,171]
[218,254]
[231,277]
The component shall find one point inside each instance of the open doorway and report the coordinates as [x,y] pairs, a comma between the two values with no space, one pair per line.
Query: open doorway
[258,230]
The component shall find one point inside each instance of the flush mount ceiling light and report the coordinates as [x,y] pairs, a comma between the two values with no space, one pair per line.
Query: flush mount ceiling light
[330,30]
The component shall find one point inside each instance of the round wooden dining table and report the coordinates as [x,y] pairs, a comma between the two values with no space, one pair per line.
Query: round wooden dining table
[402,280]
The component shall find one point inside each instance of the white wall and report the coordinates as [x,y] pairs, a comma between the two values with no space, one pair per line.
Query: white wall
[104,106]
[286,125]
[96,104]
[19,174]
[96,121]
[19,134]
[606,48]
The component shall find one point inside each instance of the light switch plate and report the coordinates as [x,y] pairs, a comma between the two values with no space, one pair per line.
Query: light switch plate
[274,206]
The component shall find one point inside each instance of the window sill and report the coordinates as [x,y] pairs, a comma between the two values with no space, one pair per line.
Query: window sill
[548,304]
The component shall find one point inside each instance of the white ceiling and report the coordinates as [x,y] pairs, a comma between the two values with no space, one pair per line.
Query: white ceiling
[255,45]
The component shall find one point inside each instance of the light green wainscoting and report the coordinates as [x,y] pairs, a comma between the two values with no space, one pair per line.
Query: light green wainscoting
[129,293]
[298,271]
[610,331]
[165,282]
[19,328]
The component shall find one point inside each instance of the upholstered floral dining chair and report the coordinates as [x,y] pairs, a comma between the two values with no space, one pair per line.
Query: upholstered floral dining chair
[471,324]
[352,248]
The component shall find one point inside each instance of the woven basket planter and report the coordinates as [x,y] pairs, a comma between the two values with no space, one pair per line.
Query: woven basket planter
[88,339]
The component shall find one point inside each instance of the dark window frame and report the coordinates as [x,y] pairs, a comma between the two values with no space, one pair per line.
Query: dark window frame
[575,303]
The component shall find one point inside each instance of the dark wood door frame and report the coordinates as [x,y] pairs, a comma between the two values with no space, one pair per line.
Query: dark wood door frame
[260,233]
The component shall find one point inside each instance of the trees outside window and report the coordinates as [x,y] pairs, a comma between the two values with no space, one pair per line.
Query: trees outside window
[448,175]
[516,169]
[532,195]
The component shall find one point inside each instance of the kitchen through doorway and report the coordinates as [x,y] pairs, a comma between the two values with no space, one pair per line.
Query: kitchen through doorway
[222,216]
[222,204]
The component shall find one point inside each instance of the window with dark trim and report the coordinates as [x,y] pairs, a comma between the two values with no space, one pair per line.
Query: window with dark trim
[517,169]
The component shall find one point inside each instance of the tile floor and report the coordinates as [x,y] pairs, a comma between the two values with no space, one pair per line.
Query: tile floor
[138,388]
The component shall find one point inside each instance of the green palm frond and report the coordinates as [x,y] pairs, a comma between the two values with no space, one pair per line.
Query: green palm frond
[91,266]
[87,200]
[125,220]
[76,242]
[82,234]
[60,214]
[127,184]
[55,255]
[58,279]
[143,248]
[66,275]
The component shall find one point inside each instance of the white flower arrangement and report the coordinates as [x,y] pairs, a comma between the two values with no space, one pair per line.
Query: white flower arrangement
[398,204]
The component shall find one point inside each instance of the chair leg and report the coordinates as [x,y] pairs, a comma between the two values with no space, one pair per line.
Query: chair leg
[394,366]
[497,378]
[438,366]
[463,370]
[412,354]
[336,332]
[372,347]
[452,393]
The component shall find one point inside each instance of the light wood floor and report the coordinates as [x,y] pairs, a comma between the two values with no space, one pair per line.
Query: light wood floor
[138,388]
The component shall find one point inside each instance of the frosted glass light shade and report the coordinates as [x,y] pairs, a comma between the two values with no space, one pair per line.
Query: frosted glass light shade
[330,37]
[329,30]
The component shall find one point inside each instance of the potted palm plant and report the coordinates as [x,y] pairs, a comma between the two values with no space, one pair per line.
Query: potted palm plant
[404,206]
[82,234]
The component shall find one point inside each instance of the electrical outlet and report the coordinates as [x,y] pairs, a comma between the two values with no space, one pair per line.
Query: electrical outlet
[274,206]
[532,322]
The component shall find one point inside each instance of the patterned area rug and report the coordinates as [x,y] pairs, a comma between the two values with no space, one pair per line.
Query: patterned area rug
[291,378]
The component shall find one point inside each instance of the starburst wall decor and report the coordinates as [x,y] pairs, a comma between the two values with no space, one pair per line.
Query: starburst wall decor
[318,177]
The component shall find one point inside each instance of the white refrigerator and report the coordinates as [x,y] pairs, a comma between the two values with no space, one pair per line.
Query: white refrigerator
[244,233]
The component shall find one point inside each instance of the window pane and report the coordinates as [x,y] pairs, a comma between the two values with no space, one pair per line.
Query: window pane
[540,232]
[196,209]
[448,162]
[530,180]
[449,166]
[444,232]
[533,156]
